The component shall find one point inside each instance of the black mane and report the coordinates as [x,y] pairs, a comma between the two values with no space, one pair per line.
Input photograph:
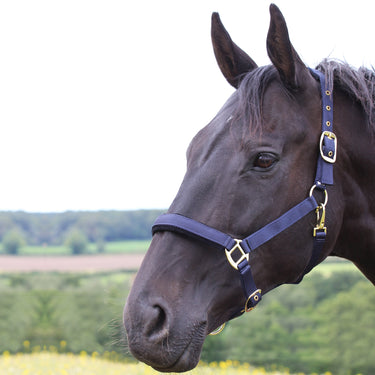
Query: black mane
[247,102]
[359,84]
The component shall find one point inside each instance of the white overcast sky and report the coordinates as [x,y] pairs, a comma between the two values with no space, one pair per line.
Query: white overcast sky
[100,99]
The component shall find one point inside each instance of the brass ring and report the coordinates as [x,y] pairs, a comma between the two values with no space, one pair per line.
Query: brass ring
[325,195]
[217,330]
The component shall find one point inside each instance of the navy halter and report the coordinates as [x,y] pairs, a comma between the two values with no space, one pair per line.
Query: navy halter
[237,251]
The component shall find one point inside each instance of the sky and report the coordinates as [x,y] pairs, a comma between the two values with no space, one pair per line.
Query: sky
[100,99]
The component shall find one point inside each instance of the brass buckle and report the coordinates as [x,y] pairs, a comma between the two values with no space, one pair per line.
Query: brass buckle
[256,298]
[228,253]
[331,157]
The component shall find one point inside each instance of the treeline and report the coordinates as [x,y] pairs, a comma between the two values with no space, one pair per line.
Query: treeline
[53,228]
[70,312]
[322,325]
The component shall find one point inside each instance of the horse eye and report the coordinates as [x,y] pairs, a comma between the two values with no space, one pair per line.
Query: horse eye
[264,160]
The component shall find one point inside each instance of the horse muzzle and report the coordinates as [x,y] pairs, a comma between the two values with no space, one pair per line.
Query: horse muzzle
[161,339]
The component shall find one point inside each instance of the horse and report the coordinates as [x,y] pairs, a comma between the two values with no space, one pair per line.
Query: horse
[279,180]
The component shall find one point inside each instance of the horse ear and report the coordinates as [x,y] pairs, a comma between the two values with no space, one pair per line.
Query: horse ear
[281,52]
[233,62]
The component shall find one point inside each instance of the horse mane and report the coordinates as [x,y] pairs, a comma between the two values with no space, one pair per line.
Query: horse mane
[247,102]
[359,84]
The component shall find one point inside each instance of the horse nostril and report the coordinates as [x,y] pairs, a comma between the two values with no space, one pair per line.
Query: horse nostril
[157,323]
[161,318]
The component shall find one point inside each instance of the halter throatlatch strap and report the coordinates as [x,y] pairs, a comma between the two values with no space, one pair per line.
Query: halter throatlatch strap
[237,251]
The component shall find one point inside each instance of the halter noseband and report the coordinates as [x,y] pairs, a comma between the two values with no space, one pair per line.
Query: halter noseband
[237,251]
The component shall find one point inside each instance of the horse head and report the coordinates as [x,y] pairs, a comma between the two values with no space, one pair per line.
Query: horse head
[253,162]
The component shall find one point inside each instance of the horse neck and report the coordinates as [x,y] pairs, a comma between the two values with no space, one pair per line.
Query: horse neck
[355,181]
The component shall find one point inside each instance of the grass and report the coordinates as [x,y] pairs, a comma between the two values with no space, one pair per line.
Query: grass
[52,363]
[130,247]
[118,247]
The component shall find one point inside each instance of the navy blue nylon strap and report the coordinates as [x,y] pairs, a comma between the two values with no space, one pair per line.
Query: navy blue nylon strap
[319,240]
[182,224]
[279,225]
[324,170]
[252,293]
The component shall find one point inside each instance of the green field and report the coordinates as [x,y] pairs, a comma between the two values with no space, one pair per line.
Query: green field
[125,247]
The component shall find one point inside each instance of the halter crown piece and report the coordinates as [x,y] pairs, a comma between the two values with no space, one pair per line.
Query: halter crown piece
[237,251]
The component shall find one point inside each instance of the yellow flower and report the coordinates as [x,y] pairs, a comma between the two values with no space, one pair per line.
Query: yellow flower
[223,365]
[26,344]
[62,344]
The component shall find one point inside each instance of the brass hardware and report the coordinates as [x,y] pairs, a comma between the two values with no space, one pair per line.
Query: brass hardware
[320,212]
[330,158]
[325,195]
[228,253]
[256,299]
[328,123]
[320,219]
[328,107]
[217,330]
[328,92]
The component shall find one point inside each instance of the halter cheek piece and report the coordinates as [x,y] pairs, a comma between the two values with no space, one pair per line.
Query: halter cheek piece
[237,251]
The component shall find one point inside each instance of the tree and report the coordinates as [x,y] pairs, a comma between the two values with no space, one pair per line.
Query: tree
[76,241]
[13,241]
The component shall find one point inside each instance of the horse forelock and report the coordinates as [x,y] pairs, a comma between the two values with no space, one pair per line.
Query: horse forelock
[249,98]
[244,110]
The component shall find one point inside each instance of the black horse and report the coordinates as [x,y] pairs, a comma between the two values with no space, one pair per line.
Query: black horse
[249,172]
